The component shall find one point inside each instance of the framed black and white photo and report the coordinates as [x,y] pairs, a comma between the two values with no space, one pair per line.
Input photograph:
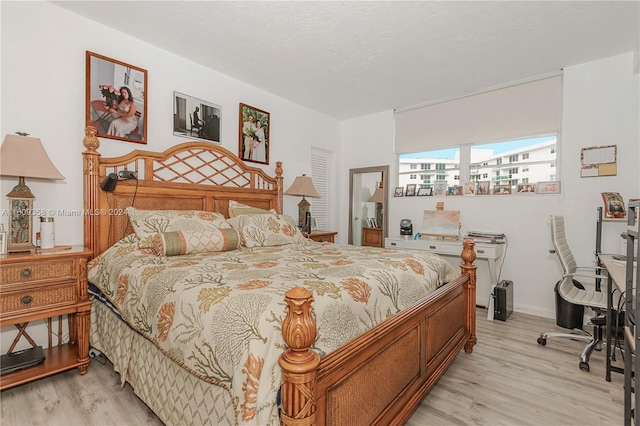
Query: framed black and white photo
[196,118]
[425,191]
[116,99]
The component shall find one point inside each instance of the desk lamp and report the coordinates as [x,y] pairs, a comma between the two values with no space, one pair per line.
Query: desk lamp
[303,185]
[22,156]
[378,198]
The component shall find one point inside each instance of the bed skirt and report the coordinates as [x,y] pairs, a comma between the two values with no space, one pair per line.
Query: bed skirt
[176,396]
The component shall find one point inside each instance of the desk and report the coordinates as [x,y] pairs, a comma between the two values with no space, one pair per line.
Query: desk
[616,281]
[484,251]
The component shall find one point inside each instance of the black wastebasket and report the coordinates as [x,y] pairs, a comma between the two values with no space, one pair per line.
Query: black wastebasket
[568,315]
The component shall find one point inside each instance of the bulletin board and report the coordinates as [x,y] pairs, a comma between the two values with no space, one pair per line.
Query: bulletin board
[599,161]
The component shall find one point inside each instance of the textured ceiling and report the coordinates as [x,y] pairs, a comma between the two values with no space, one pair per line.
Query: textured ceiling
[352,58]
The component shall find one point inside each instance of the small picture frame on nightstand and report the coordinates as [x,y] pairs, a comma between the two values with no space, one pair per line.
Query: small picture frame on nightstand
[3,240]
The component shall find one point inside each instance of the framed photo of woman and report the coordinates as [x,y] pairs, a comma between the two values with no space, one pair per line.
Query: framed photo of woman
[116,99]
[253,138]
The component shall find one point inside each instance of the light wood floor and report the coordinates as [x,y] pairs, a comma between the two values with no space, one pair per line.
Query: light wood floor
[508,380]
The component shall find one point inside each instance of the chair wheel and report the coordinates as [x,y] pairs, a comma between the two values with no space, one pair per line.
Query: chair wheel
[542,341]
[584,366]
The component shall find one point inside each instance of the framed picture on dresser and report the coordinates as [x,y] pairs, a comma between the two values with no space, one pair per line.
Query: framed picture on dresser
[116,99]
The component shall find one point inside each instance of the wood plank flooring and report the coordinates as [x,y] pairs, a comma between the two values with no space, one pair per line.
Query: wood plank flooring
[508,380]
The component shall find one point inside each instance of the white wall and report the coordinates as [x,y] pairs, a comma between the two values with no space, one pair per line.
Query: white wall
[600,107]
[43,93]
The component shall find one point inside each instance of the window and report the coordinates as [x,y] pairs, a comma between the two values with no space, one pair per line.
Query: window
[425,166]
[414,166]
[474,162]
[413,177]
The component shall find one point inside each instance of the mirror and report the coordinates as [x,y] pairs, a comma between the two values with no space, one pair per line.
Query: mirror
[363,183]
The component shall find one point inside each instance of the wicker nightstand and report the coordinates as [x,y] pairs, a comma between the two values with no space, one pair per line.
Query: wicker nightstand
[321,236]
[44,285]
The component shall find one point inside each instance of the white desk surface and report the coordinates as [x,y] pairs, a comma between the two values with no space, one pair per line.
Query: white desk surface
[617,270]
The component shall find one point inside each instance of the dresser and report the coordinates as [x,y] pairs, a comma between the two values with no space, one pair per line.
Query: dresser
[41,286]
[321,236]
[372,237]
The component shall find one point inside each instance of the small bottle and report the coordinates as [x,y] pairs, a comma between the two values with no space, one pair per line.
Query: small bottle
[47,233]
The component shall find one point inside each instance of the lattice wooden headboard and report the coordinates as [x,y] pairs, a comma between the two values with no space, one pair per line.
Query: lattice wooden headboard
[188,176]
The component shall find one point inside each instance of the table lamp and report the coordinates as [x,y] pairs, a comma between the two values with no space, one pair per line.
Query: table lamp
[21,157]
[378,198]
[303,185]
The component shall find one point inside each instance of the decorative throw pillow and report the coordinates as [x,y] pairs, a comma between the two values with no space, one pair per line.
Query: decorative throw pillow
[147,223]
[266,230]
[237,209]
[187,242]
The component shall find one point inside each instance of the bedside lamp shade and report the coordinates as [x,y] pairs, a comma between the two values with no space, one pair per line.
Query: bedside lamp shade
[22,157]
[378,198]
[303,186]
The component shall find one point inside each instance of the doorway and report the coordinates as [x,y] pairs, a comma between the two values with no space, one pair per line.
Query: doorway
[363,183]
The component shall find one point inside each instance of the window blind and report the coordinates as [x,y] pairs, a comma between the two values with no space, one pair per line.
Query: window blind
[526,109]
[320,165]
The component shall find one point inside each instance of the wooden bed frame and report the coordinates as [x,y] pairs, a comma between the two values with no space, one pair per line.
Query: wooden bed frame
[379,377]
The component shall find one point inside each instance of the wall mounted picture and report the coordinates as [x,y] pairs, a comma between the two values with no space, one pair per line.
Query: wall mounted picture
[454,190]
[195,118]
[527,188]
[501,189]
[399,192]
[483,188]
[470,188]
[425,191]
[411,190]
[440,188]
[551,187]
[116,99]
[254,142]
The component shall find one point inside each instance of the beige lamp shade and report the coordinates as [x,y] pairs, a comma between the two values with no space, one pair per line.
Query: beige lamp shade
[378,196]
[22,156]
[302,185]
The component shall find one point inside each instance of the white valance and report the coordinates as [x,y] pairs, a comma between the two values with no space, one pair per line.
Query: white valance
[527,109]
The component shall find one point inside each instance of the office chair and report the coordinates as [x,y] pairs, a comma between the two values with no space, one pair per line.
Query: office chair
[575,295]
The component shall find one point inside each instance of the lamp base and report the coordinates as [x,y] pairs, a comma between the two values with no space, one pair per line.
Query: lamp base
[303,208]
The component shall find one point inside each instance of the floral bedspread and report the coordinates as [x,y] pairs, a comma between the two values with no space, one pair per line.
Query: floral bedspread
[219,314]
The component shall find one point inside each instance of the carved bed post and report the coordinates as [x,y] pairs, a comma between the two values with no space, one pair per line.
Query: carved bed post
[467,267]
[279,180]
[90,183]
[298,363]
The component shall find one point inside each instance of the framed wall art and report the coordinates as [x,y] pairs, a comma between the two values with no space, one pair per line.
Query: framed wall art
[116,99]
[613,205]
[470,188]
[195,118]
[454,190]
[253,141]
[399,192]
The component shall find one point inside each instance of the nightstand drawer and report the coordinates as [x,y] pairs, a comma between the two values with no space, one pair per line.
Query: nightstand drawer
[34,271]
[38,298]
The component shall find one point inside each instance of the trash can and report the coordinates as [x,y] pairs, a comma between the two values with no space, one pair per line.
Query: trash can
[568,315]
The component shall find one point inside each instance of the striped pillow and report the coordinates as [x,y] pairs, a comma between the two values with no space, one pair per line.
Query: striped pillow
[187,242]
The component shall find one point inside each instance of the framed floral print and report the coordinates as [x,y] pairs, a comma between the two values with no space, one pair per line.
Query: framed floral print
[253,139]
[116,99]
